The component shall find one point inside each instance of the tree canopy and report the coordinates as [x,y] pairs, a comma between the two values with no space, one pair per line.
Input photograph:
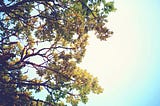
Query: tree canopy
[48,38]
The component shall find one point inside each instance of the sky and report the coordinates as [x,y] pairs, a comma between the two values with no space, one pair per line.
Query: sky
[127,64]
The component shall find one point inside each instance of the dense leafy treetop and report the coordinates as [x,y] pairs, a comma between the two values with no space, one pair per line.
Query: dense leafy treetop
[48,38]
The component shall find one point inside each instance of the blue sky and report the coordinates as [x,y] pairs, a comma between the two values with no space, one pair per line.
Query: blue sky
[127,65]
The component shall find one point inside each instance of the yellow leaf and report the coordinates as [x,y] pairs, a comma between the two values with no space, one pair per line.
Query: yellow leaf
[19,46]
[24,77]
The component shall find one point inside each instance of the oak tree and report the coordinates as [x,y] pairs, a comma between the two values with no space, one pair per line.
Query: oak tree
[41,43]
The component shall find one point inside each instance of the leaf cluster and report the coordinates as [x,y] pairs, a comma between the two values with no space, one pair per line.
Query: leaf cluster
[48,38]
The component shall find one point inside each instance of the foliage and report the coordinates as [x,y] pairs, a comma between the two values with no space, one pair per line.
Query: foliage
[48,38]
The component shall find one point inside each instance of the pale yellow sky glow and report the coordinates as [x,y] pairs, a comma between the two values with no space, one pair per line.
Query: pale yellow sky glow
[117,61]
